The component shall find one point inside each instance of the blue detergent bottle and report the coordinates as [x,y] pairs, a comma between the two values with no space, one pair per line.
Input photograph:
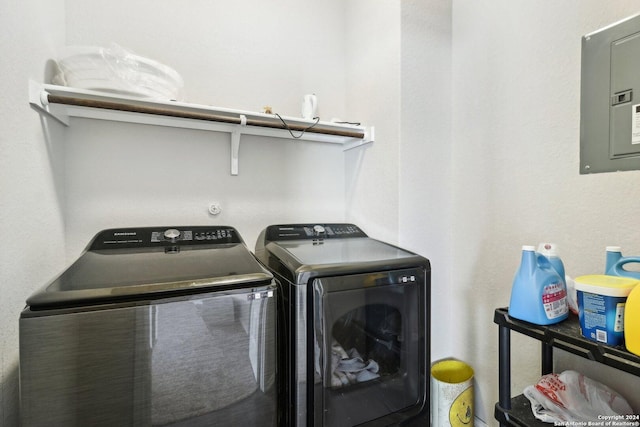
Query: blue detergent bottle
[550,251]
[614,265]
[538,294]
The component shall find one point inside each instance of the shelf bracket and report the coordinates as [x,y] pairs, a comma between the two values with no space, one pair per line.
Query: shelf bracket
[38,98]
[235,144]
[369,137]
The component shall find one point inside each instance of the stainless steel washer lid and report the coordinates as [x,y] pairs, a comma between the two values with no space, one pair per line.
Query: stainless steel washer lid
[302,251]
[135,263]
[341,251]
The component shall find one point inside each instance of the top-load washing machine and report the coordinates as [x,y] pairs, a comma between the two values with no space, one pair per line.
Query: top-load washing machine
[356,324]
[153,327]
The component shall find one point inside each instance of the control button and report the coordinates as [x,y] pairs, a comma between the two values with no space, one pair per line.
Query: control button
[318,230]
[171,234]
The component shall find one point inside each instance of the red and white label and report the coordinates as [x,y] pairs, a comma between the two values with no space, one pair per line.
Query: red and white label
[554,300]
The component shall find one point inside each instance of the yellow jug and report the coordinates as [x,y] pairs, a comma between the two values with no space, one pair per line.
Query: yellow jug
[632,321]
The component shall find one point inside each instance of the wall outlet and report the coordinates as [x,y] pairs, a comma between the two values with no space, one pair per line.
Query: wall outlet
[215,208]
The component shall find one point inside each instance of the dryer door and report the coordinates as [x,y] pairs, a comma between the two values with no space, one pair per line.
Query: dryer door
[369,349]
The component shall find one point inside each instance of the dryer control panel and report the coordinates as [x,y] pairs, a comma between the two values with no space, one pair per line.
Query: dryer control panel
[282,232]
[149,237]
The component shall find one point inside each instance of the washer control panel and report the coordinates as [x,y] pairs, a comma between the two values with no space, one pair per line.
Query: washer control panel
[149,237]
[312,232]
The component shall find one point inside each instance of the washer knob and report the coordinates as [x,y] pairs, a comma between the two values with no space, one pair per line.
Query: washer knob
[171,234]
[318,230]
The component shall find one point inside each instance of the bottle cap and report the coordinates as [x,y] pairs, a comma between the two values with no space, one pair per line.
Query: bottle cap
[613,249]
[528,248]
[548,249]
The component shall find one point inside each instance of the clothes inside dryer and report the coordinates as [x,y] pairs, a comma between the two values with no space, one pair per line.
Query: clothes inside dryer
[366,345]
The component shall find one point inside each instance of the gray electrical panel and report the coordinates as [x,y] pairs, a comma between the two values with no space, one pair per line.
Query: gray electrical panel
[610,98]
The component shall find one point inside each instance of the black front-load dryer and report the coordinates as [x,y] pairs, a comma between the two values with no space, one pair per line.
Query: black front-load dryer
[356,320]
[161,326]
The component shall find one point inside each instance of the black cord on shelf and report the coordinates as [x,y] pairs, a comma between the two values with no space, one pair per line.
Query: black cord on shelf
[348,123]
[317,120]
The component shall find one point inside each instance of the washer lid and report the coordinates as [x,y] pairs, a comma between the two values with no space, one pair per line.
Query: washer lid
[300,252]
[142,263]
[342,251]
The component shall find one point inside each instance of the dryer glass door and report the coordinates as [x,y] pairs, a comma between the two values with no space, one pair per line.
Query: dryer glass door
[369,349]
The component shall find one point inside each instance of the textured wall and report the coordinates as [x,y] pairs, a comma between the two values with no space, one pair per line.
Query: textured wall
[516,107]
[242,55]
[372,74]
[425,152]
[31,219]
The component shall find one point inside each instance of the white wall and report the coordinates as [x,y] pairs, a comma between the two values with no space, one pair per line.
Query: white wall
[373,97]
[516,107]
[134,175]
[243,55]
[425,153]
[31,218]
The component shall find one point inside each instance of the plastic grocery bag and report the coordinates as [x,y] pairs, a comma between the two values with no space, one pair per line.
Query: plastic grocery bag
[570,396]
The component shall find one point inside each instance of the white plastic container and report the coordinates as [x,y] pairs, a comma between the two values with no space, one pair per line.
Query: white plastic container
[601,303]
[117,70]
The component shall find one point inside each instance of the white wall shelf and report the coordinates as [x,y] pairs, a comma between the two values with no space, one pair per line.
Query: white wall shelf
[62,103]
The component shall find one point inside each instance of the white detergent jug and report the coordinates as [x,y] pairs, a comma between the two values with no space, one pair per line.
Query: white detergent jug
[309,106]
